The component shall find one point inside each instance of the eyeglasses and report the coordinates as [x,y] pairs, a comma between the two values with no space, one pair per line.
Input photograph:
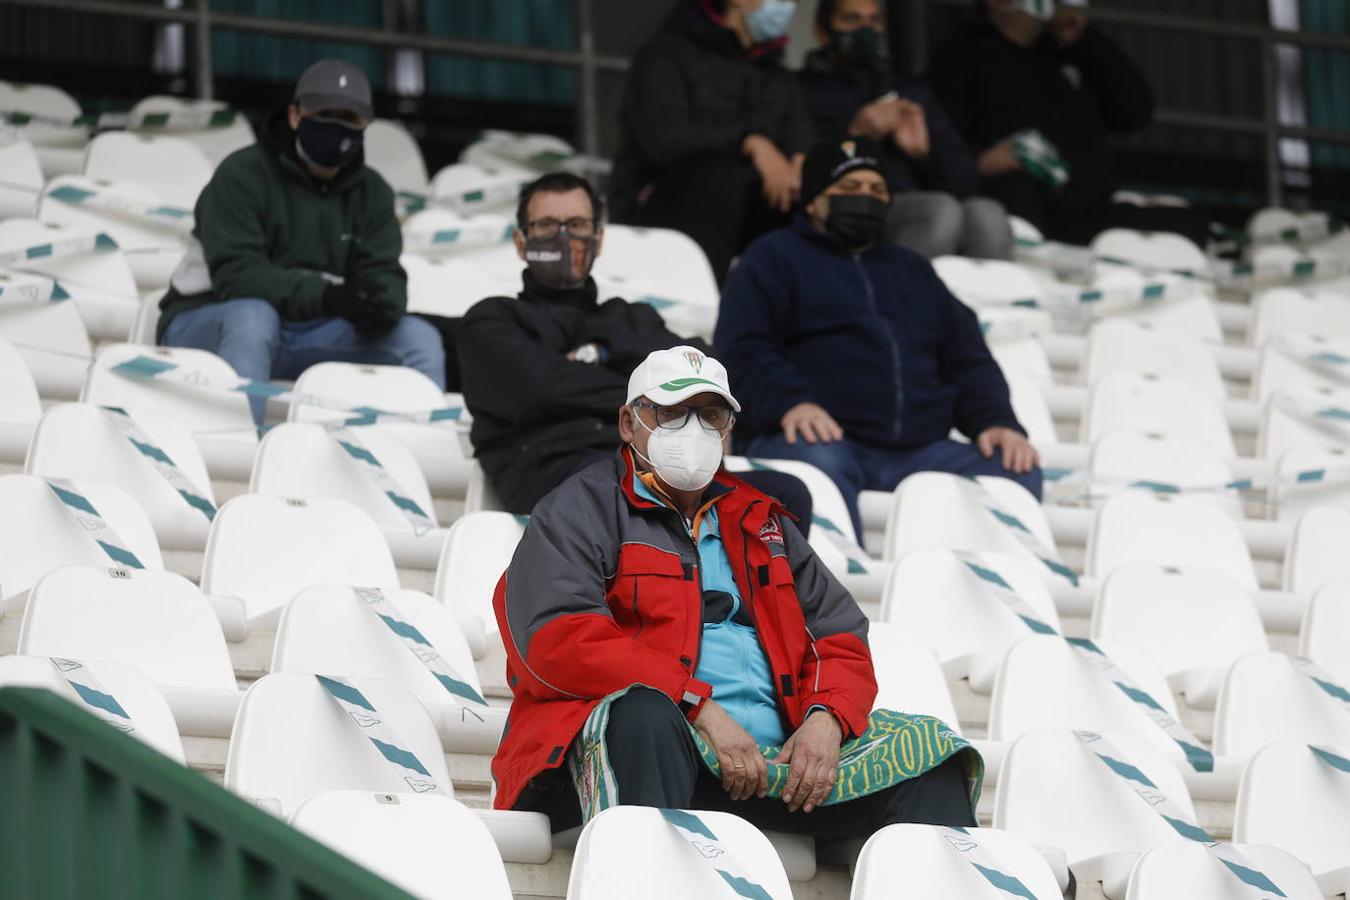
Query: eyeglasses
[577,226]
[712,418]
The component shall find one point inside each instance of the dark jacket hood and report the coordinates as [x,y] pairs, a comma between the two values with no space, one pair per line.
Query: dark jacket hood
[700,23]
[278,138]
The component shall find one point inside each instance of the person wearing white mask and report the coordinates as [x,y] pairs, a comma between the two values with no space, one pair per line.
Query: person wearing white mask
[673,641]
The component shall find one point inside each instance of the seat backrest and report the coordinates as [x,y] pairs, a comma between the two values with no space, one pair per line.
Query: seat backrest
[106,271]
[158,622]
[329,630]
[496,184]
[19,400]
[1299,493]
[1129,401]
[1189,869]
[1266,699]
[938,600]
[1188,617]
[1186,309]
[388,388]
[215,143]
[929,864]
[47,101]
[1298,311]
[292,740]
[630,845]
[149,714]
[1030,406]
[1167,530]
[446,285]
[56,328]
[1316,553]
[202,412]
[173,168]
[391,151]
[1291,421]
[829,514]
[1293,799]
[430,846]
[303,459]
[1120,457]
[987,282]
[636,261]
[132,234]
[909,677]
[1325,635]
[1045,683]
[1151,250]
[79,440]
[39,532]
[1116,345]
[480,495]
[1291,363]
[1054,791]
[268,549]
[476,553]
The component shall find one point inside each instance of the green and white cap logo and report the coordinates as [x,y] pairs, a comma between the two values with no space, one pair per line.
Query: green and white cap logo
[668,377]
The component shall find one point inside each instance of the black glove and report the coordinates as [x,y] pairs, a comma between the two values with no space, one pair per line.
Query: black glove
[359,302]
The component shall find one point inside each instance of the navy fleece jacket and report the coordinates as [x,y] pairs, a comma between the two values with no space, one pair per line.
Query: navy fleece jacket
[876,339]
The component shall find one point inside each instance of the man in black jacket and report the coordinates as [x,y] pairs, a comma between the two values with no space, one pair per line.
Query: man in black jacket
[1013,72]
[852,92]
[713,127]
[544,372]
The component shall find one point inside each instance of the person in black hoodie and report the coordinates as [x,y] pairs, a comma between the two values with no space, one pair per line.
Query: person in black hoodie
[849,353]
[714,127]
[544,373]
[1014,71]
[852,92]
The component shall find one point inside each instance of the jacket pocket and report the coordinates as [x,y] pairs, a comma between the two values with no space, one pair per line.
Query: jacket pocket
[649,597]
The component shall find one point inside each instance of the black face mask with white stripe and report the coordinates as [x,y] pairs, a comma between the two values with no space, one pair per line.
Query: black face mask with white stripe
[561,261]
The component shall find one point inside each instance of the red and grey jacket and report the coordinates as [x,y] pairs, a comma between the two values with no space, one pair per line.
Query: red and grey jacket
[604,592]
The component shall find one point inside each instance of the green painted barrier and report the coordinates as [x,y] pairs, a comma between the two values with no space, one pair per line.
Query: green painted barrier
[88,812]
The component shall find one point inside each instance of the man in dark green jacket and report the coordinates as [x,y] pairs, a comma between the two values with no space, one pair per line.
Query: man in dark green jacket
[296,253]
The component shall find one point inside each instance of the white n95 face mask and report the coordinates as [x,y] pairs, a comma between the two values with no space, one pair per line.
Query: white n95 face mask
[685,458]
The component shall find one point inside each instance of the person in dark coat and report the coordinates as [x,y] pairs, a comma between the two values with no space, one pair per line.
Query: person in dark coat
[714,127]
[544,372]
[1052,73]
[850,352]
[851,92]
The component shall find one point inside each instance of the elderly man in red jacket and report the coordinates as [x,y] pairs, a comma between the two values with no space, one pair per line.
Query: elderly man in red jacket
[672,641]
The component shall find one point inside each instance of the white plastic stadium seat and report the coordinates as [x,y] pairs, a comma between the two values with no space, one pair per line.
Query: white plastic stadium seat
[1291,422]
[20,407]
[1116,345]
[450,285]
[174,169]
[292,740]
[939,601]
[1151,251]
[52,339]
[524,150]
[1292,799]
[1190,623]
[497,185]
[432,847]
[392,152]
[1121,457]
[39,533]
[656,265]
[1296,494]
[1030,407]
[60,147]
[1053,791]
[437,448]
[1299,312]
[1014,339]
[79,440]
[476,553]
[1046,683]
[215,143]
[1167,530]
[987,282]
[1325,635]
[150,716]
[1290,363]
[930,863]
[1129,401]
[266,550]
[909,677]
[1185,308]
[1265,700]
[1316,554]
[23,177]
[630,845]
[1188,869]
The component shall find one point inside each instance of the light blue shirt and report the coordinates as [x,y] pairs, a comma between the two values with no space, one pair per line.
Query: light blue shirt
[731,659]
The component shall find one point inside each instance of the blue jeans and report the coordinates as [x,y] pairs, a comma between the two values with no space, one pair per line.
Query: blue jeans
[856,468]
[250,335]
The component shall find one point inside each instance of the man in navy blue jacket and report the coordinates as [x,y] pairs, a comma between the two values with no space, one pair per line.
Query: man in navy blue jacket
[853,355]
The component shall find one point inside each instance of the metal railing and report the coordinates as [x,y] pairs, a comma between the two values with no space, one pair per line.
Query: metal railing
[588,63]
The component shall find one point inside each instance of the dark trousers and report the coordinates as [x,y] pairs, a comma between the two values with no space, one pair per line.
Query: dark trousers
[655,764]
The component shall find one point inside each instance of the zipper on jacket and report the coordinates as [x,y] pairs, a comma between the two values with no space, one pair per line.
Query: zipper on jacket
[636,614]
[890,342]
[688,527]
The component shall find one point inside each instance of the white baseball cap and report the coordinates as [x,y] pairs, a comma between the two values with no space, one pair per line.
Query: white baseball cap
[668,377]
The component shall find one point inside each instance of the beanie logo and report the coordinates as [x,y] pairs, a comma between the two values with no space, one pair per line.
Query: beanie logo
[695,361]
[342,81]
[850,148]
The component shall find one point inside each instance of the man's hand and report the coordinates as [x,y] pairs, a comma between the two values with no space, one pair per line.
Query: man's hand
[1018,454]
[998,160]
[813,757]
[781,178]
[812,422]
[877,119]
[359,302]
[1068,24]
[911,131]
[745,771]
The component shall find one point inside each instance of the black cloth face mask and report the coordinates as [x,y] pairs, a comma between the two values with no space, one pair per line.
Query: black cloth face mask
[552,260]
[859,47]
[328,143]
[858,221]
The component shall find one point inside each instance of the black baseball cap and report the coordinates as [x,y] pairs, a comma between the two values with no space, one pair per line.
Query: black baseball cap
[334,84]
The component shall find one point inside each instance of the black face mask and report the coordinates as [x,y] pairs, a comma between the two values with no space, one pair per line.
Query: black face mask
[552,262]
[857,220]
[859,47]
[328,143]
